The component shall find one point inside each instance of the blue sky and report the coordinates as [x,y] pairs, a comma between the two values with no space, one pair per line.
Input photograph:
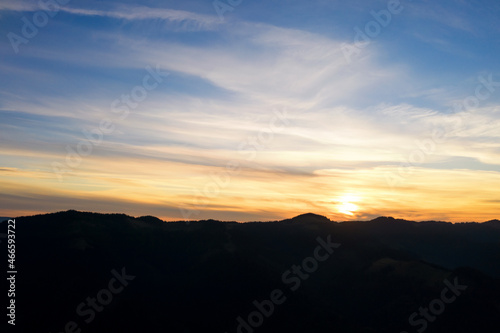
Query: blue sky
[353,123]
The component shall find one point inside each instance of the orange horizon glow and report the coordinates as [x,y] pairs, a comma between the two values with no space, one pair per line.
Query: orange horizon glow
[252,196]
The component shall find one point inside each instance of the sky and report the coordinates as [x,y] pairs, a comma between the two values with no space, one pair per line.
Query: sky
[251,110]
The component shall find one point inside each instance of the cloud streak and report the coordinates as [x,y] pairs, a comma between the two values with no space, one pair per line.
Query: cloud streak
[184,20]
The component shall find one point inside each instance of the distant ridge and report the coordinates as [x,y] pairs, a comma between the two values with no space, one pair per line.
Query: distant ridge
[303,218]
[388,219]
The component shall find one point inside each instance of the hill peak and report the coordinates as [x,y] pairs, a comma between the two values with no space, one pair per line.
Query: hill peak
[387,219]
[493,223]
[310,217]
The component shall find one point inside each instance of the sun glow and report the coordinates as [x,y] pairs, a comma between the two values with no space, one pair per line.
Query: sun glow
[346,206]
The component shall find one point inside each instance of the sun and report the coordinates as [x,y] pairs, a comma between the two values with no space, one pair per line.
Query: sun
[345,204]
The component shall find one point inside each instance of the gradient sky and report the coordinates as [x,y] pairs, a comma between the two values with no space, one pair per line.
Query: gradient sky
[258,111]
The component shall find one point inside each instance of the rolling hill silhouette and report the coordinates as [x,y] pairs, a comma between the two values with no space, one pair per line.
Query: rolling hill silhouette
[204,275]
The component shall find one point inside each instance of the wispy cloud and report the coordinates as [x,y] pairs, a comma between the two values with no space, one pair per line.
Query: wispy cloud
[189,21]
[193,21]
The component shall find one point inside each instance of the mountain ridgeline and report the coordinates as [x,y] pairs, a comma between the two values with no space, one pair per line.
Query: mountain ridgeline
[89,272]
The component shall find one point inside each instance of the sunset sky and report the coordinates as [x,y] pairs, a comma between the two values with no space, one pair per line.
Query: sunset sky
[259,110]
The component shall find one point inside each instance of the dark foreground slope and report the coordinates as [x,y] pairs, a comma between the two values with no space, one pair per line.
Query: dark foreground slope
[115,273]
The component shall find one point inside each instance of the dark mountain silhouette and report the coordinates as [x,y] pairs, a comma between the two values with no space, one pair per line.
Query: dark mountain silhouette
[202,276]
[308,218]
[388,219]
[493,223]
